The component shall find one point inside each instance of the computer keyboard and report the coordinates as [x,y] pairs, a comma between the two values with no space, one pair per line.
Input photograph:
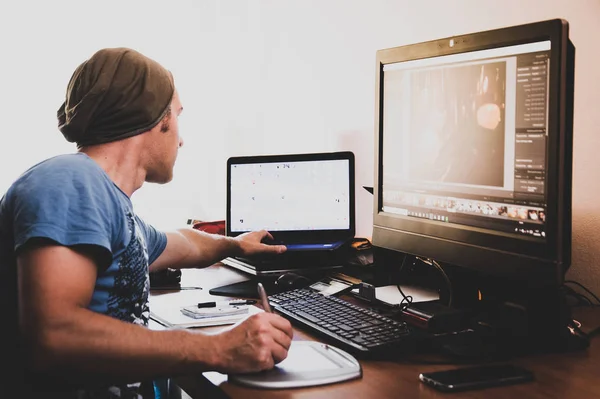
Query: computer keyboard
[358,330]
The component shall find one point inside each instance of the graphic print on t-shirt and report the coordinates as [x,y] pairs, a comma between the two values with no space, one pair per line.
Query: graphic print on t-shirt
[128,298]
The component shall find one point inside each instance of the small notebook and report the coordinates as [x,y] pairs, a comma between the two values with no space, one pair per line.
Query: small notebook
[225,310]
[172,317]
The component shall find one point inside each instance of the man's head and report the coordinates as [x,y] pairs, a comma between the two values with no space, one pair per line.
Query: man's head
[117,94]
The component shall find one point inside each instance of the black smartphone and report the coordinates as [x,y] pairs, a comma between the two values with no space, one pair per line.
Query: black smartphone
[465,378]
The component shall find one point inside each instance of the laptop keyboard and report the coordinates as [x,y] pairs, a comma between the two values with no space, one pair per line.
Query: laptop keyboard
[358,330]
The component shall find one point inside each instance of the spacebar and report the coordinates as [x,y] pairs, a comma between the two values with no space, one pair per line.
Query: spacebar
[306,316]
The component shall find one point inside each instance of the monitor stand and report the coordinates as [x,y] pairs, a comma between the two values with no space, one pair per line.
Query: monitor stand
[514,318]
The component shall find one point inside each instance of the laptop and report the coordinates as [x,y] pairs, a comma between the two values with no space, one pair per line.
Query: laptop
[306,201]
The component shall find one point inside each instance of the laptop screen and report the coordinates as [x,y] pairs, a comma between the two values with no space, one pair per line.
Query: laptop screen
[296,197]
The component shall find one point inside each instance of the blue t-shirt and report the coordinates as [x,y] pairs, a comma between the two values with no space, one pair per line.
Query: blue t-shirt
[71,201]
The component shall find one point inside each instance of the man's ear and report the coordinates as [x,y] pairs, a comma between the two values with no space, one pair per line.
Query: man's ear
[165,121]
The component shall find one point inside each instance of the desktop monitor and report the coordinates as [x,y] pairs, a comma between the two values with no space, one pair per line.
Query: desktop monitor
[473,142]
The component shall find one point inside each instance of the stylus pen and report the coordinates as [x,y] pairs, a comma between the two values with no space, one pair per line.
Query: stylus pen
[263,298]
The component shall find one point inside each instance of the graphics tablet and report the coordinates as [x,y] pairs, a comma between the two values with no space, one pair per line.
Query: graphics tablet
[309,363]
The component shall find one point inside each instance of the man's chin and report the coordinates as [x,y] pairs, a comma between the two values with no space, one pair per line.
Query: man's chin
[159,179]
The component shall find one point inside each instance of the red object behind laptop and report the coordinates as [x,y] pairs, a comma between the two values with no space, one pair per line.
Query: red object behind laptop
[215,227]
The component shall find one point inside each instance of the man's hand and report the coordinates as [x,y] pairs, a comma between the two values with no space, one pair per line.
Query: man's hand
[251,243]
[255,344]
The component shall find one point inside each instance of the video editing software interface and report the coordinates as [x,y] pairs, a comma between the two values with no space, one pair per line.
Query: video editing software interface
[290,196]
[465,138]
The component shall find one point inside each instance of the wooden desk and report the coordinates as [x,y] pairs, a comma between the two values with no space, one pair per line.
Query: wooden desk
[569,375]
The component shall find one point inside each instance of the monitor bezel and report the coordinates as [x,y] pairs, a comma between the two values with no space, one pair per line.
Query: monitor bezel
[486,251]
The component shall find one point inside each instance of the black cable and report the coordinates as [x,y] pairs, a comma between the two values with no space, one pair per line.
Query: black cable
[594,332]
[406,299]
[584,288]
[448,283]
[433,263]
[582,300]
[575,326]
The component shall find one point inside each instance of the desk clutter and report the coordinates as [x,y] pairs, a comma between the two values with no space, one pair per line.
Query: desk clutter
[573,373]
[308,363]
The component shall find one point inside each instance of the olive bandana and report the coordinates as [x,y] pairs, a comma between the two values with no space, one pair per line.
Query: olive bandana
[116,94]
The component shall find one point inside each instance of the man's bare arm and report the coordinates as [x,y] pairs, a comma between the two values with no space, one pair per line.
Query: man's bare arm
[192,248]
[64,337]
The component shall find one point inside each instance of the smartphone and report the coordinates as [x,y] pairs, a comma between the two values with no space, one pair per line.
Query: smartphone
[466,378]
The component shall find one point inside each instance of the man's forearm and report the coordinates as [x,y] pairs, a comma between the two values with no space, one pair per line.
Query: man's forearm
[210,248]
[187,248]
[93,347]
[193,248]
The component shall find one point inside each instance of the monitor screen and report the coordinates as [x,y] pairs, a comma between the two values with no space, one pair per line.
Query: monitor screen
[290,195]
[473,155]
[298,198]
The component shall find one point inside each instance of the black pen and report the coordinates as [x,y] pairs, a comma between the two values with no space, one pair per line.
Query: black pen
[236,302]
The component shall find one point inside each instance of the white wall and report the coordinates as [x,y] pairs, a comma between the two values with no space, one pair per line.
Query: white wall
[269,76]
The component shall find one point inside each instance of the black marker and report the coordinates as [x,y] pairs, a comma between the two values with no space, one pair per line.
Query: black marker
[207,304]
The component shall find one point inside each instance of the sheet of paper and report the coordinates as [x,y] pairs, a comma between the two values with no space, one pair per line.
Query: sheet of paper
[391,295]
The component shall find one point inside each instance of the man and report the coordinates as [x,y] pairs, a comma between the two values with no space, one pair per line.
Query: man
[75,259]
